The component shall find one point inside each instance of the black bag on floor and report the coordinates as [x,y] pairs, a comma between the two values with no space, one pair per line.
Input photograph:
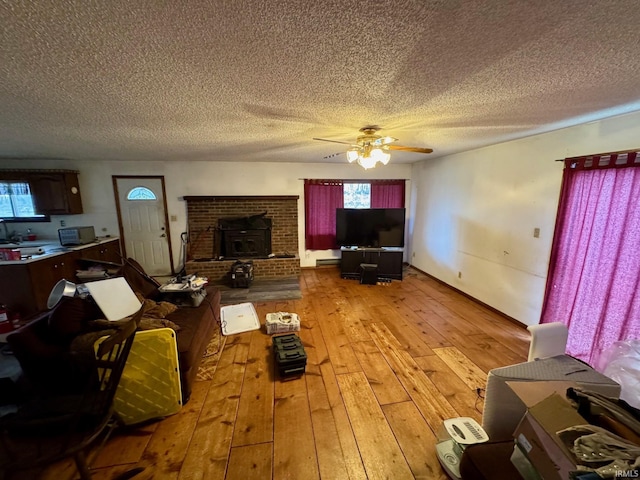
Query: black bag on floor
[241,274]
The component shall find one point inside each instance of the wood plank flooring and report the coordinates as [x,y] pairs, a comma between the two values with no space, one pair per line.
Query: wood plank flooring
[386,365]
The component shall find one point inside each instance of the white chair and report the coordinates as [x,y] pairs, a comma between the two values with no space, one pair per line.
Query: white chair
[547,340]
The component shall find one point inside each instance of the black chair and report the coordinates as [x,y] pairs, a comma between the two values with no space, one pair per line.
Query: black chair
[49,428]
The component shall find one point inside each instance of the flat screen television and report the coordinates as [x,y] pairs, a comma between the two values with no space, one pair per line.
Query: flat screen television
[370,227]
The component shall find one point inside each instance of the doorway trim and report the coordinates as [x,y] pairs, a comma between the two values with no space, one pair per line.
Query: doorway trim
[123,243]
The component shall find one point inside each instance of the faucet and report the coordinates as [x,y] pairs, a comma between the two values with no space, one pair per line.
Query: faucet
[6,230]
[8,237]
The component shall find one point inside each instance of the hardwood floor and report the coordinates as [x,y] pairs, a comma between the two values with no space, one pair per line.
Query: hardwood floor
[386,365]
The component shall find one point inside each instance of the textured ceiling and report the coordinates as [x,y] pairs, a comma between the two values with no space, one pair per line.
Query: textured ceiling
[257,80]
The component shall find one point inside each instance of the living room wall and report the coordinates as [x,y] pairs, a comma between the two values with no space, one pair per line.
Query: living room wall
[190,178]
[473,214]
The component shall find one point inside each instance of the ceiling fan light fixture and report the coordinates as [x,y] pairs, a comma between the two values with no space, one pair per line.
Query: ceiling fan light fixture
[367,162]
[371,148]
[379,155]
[387,140]
[353,154]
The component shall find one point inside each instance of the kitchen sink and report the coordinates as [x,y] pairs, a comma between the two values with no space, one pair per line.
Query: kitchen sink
[20,245]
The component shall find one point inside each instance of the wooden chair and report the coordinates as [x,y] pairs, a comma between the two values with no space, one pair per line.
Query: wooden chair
[51,428]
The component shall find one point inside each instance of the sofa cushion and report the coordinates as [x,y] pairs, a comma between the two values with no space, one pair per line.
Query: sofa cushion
[155,309]
[197,327]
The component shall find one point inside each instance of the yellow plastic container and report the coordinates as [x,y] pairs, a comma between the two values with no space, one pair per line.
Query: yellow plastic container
[150,384]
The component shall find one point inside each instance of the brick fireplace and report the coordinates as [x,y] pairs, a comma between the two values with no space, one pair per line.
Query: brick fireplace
[225,228]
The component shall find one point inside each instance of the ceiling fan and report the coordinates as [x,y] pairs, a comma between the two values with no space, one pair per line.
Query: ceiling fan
[371,148]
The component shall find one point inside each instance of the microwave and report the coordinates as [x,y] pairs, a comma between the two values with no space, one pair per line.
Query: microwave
[76,235]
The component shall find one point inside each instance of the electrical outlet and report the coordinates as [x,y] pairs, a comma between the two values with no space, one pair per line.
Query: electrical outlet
[174,218]
[536,232]
[63,223]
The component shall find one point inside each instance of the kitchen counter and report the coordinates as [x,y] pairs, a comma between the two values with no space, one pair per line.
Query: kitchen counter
[50,248]
[25,284]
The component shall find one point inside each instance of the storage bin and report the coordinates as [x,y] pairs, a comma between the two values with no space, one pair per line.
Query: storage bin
[150,383]
[290,357]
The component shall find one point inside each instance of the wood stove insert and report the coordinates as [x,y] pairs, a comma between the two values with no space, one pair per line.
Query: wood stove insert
[245,237]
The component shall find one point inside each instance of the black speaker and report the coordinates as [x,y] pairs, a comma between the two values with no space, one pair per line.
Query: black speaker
[368,273]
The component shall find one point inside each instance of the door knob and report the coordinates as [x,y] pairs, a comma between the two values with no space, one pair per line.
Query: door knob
[163,235]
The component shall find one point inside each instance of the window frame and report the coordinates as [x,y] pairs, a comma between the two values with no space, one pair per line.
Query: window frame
[15,219]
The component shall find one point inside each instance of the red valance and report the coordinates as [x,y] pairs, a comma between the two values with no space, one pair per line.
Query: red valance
[605,160]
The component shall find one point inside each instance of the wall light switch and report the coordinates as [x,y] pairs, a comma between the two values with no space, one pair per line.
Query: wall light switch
[173,218]
[536,232]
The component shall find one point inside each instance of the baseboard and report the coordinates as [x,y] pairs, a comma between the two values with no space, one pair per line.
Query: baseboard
[320,262]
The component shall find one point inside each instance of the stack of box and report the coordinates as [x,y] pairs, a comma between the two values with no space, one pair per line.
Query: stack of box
[541,449]
[291,359]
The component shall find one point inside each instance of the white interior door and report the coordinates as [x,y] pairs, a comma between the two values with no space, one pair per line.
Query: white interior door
[143,222]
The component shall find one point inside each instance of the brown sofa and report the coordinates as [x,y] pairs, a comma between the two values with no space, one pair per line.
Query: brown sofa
[43,347]
[197,324]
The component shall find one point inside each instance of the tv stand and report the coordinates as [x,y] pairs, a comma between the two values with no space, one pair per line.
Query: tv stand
[388,260]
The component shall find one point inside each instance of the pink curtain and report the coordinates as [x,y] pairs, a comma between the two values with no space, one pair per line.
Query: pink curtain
[387,193]
[594,269]
[321,199]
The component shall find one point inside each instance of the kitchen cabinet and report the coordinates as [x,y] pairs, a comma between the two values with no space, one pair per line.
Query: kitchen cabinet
[45,273]
[56,193]
[389,262]
[25,285]
[104,252]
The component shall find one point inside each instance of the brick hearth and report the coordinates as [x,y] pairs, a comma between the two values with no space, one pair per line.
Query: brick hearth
[217,271]
[203,213]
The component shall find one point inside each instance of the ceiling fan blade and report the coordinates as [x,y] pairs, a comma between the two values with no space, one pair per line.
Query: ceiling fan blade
[409,149]
[332,141]
[334,155]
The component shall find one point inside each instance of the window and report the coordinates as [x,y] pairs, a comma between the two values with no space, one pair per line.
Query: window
[323,197]
[16,202]
[357,195]
[141,193]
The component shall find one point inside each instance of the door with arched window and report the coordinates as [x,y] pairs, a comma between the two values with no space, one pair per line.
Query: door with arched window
[143,221]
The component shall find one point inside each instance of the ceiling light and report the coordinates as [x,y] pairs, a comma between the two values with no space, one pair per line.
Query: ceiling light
[368,156]
[353,154]
[380,155]
[367,162]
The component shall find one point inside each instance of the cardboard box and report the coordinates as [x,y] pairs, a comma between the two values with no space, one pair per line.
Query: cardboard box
[523,465]
[548,412]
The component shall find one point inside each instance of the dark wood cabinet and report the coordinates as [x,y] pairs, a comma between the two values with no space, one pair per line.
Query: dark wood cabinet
[389,262]
[47,272]
[56,193]
[25,286]
[104,252]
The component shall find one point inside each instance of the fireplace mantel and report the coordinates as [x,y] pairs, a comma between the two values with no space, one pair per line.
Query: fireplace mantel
[240,197]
